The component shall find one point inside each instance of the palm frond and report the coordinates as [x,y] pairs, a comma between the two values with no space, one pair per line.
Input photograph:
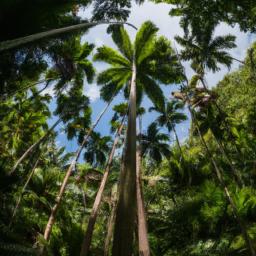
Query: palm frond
[143,40]
[122,40]
[223,42]
[88,68]
[111,56]
[153,91]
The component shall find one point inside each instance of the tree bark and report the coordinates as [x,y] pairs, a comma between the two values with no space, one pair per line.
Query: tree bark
[144,249]
[126,205]
[32,147]
[22,191]
[52,217]
[10,44]
[92,219]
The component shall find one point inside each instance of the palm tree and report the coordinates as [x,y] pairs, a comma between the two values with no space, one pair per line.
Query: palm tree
[136,67]
[170,117]
[72,165]
[92,219]
[71,63]
[205,51]
[67,109]
[120,111]
[217,170]
[97,148]
[117,123]
[155,144]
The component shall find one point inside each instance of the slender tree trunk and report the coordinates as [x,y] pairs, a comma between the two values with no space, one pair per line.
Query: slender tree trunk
[35,145]
[52,217]
[144,249]
[10,44]
[219,175]
[92,219]
[177,140]
[110,228]
[22,191]
[126,205]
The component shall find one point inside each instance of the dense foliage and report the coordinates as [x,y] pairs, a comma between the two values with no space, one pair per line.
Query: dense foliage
[192,196]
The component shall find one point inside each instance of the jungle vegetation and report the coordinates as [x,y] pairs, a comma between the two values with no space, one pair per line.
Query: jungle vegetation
[125,188]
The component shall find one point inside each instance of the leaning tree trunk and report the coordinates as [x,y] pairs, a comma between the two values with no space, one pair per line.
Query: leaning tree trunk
[219,175]
[52,217]
[126,205]
[10,44]
[23,190]
[35,145]
[235,172]
[92,219]
[178,142]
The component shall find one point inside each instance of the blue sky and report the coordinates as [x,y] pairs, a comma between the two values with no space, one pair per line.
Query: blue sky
[169,27]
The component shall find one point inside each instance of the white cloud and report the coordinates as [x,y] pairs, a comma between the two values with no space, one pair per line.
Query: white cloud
[93,92]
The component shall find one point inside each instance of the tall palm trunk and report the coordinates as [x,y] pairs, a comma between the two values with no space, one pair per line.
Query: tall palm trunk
[35,145]
[22,191]
[126,205]
[219,175]
[144,249]
[110,227]
[10,44]
[92,219]
[52,217]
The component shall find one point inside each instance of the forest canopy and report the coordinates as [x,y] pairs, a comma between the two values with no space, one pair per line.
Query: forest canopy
[117,138]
